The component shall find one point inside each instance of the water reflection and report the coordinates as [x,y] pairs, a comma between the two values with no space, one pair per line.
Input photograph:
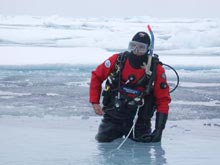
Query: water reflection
[131,153]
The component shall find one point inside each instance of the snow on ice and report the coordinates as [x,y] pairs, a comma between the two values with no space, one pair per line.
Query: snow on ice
[45,65]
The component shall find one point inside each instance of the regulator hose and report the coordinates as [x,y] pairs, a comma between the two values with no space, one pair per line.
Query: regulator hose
[177,76]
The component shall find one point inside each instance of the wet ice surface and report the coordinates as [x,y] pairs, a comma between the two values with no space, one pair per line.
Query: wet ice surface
[62,140]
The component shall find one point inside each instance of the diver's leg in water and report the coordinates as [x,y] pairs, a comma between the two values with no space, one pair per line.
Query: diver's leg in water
[108,131]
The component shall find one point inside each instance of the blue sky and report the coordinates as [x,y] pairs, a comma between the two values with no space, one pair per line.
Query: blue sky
[113,8]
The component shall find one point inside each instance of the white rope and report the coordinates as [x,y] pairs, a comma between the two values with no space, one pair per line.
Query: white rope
[133,126]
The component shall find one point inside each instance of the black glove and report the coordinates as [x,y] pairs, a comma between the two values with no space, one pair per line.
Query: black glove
[156,135]
[161,120]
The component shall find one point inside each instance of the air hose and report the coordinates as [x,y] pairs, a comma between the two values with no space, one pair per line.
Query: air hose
[177,77]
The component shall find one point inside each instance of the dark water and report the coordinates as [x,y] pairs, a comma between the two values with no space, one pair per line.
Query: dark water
[62,90]
[44,90]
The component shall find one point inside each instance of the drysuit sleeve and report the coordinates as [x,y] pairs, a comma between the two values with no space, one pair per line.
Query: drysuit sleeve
[98,76]
[161,91]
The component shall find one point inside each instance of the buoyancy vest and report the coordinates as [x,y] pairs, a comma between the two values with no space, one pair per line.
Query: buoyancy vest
[120,89]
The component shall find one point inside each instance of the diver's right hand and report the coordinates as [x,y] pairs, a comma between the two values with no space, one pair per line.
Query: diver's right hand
[98,109]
